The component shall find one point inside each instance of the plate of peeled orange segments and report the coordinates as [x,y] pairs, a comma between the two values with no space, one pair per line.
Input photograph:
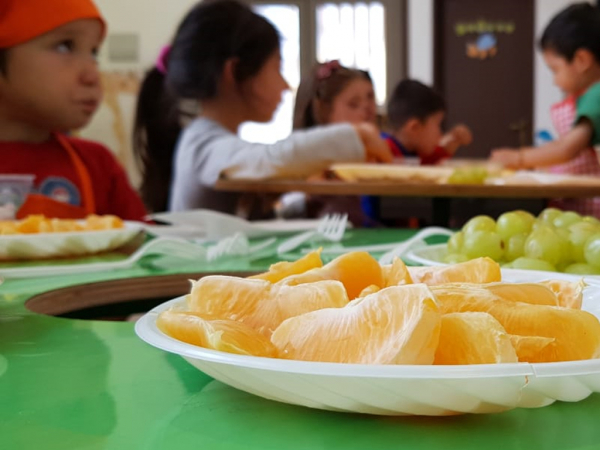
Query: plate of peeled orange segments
[355,336]
[39,237]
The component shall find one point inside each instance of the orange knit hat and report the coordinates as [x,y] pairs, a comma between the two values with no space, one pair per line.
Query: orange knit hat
[23,20]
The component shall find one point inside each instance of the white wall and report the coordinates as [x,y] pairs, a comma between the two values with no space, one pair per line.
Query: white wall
[420,54]
[545,93]
[153,20]
[420,40]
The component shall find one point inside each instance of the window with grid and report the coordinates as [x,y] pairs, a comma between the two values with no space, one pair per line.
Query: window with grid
[366,35]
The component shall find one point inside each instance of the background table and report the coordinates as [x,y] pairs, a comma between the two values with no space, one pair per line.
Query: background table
[440,194]
[412,189]
[92,385]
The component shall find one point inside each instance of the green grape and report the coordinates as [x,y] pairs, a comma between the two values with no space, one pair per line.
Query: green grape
[455,242]
[579,233]
[549,214]
[455,258]
[566,219]
[532,264]
[544,243]
[591,250]
[483,243]
[526,216]
[563,233]
[515,246]
[582,269]
[479,223]
[511,223]
[468,175]
[566,249]
[541,224]
[591,219]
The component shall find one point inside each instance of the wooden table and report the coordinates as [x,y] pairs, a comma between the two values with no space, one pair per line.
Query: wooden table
[441,194]
[414,189]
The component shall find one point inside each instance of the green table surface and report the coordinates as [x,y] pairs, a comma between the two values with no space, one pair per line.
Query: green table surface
[86,384]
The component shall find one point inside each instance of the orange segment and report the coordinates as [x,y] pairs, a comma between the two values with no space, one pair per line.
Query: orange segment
[260,304]
[397,325]
[396,274]
[8,227]
[479,270]
[569,293]
[283,269]
[38,223]
[105,222]
[30,224]
[532,293]
[62,225]
[529,348]
[473,338]
[356,271]
[369,290]
[576,332]
[217,334]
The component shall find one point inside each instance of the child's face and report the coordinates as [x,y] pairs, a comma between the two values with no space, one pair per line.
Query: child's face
[52,82]
[262,93]
[566,74]
[354,104]
[422,137]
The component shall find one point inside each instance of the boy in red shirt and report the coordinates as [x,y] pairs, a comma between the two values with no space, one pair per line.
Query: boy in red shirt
[415,114]
[50,85]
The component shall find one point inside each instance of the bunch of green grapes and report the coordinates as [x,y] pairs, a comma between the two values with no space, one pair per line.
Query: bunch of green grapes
[468,175]
[555,240]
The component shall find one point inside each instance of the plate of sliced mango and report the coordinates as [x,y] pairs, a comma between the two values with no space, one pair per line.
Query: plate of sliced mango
[354,336]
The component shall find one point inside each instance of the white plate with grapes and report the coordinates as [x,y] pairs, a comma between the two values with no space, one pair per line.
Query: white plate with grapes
[555,241]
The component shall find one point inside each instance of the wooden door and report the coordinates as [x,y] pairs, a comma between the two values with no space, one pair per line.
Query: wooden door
[483,65]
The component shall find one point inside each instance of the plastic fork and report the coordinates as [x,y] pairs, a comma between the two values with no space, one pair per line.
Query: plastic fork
[236,245]
[419,238]
[172,247]
[331,227]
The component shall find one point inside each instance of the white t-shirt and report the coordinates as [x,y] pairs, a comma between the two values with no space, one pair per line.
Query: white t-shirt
[207,151]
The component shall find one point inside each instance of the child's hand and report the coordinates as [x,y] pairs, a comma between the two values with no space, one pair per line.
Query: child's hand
[507,157]
[458,136]
[462,134]
[376,149]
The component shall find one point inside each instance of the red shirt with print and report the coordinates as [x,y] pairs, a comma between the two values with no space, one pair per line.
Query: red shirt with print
[56,177]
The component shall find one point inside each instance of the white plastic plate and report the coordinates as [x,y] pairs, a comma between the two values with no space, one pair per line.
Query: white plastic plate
[395,389]
[57,245]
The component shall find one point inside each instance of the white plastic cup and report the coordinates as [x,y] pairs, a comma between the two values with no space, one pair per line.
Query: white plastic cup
[13,191]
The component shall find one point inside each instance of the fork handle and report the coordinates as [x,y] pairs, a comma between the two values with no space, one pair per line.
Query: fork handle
[406,245]
[295,241]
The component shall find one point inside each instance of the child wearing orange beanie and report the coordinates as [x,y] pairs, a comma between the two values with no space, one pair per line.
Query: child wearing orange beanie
[50,85]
